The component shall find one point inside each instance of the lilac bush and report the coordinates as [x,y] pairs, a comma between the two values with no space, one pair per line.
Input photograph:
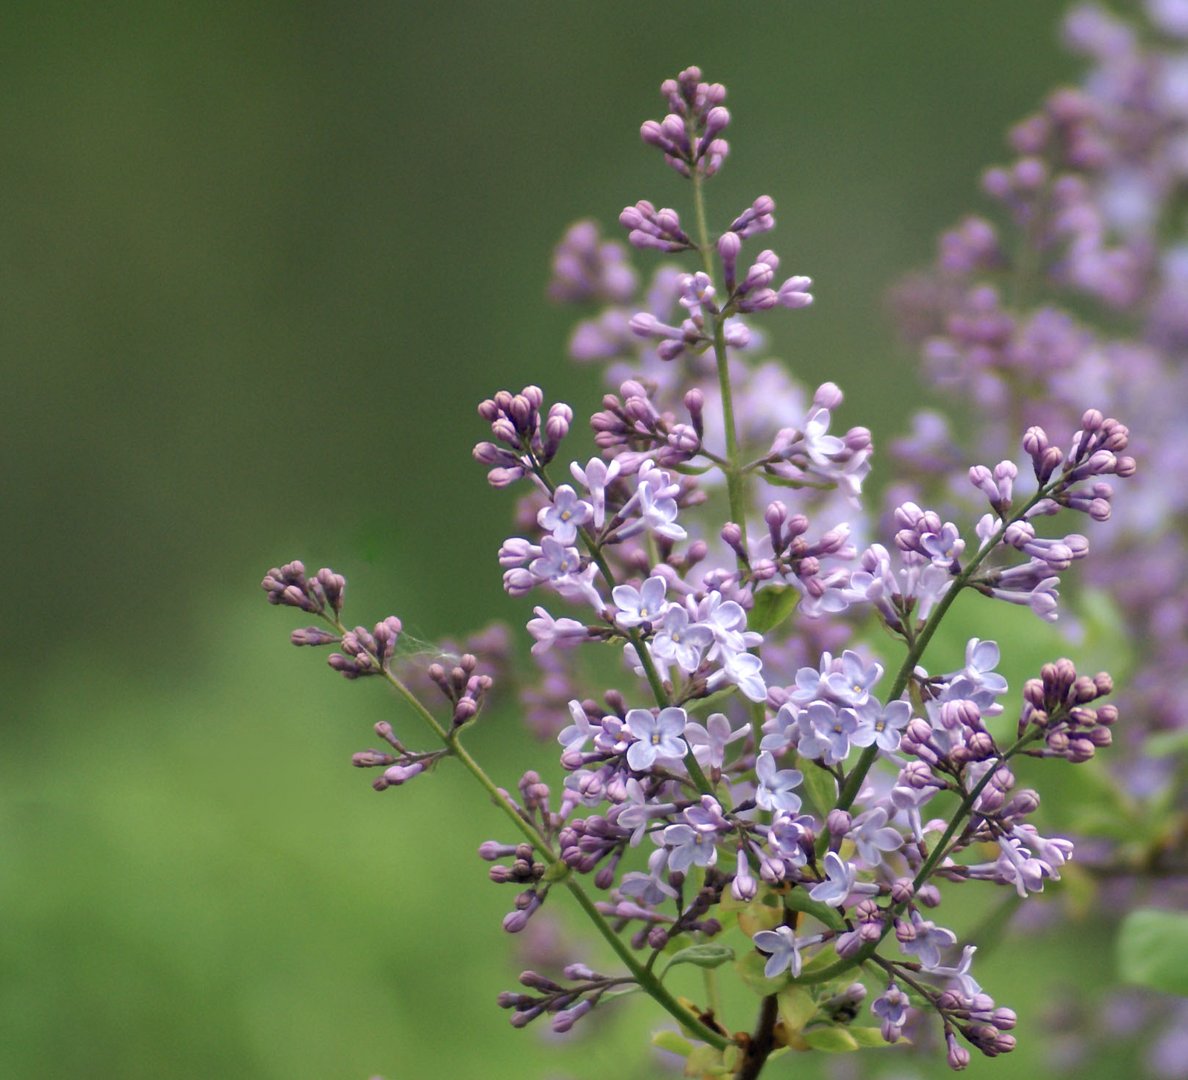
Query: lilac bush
[1078,278]
[763,795]
[1078,283]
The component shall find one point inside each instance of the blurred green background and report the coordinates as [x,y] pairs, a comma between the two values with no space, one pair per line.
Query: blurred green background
[259,263]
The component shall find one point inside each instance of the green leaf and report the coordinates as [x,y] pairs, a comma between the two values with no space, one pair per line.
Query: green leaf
[867,1036]
[708,955]
[799,900]
[1153,950]
[773,605]
[706,1061]
[704,706]
[797,1008]
[673,1043]
[1166,744]
[819,788]
[833,1040]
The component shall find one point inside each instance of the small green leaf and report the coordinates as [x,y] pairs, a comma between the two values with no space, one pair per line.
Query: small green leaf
[773,605]
[797,1008]
[799,900]
[706,1061]
[1153,950]
[708,955]
[1166,744]
[819,788]
[867,1036]
[833,1040]
[704,706]
[673,1043]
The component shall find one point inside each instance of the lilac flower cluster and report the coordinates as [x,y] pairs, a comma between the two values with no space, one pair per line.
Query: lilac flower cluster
[1073,291]
[1074,294]
[750,797]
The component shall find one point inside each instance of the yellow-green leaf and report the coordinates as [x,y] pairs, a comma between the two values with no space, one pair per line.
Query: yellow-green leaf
[797,1008]
[673,1042]
[833,1040]
[773,604]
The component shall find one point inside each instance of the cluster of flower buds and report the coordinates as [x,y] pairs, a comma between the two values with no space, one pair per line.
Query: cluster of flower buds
[659,230]
[634,430]
[319,595]
[516,422]
[1057,704]
[462,687]
[565,1004]
[399,767]
[367,652]
[688,135]
[754,291]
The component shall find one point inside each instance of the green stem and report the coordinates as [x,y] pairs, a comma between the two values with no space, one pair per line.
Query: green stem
[733,469]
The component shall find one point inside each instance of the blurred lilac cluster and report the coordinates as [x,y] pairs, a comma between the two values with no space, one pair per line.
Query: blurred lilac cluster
[1076,293]
[753,795]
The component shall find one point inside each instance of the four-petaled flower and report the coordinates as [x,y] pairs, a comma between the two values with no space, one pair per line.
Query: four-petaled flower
[637,606]
[775,785]
[565,515]
[783,951]
[838,883]
[657,736]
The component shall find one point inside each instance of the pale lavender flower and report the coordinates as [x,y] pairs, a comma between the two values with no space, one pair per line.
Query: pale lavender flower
[783,949]
[775,790]
[690,847]
[789,837]
[872,837]
[638,606]
[548,631]
[709,741]
[926,941]
[680,642]
[565,515]
[744,670]
[880,724]
[650,888]
[653,506]
[728,621]
[981,659]
[891,1007]
[657,737]
[960,975]
[637,810]
[852,682]
[595,478]
[579,733]
[555,560]
[840,880]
